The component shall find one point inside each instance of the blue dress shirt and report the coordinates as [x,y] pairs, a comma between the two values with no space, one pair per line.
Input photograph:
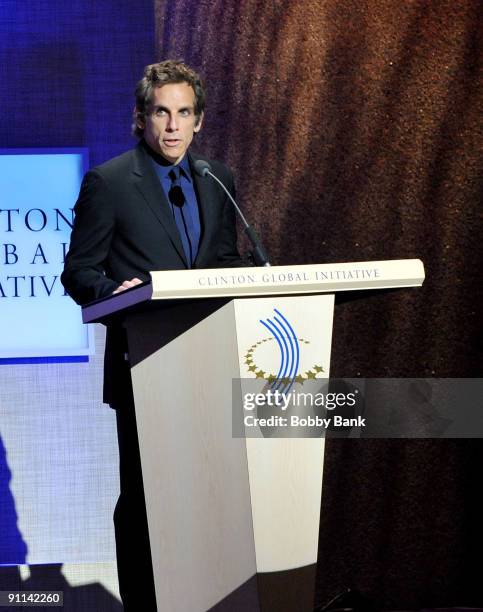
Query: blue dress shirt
[187,216]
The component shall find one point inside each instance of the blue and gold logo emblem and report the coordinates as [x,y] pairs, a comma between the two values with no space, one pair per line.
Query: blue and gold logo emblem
[285,349]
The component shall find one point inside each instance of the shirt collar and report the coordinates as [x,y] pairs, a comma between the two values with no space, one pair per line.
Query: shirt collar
[184,166]
[163,167]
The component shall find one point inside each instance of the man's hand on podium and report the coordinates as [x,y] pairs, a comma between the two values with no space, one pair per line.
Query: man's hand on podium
[127,284]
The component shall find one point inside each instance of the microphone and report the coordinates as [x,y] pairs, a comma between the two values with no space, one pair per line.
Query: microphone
[203,168]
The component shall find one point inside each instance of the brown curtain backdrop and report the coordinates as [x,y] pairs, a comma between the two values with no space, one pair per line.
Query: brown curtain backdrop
[353,128]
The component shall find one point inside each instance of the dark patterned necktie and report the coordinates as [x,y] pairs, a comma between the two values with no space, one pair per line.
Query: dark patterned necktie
[177,200]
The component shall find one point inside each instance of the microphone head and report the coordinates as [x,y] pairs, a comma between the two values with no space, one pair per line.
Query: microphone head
[201,167]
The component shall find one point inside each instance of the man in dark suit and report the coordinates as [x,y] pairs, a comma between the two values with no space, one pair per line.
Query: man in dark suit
[146,210]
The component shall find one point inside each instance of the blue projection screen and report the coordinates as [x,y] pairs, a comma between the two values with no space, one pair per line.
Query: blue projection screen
[38,189]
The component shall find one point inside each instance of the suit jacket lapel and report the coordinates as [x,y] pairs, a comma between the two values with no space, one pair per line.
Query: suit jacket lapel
[150,188]
[206,190]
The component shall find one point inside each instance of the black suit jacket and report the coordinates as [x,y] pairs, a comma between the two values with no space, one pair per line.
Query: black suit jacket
[124,228]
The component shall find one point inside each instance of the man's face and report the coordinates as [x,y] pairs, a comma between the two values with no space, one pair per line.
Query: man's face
[170,121]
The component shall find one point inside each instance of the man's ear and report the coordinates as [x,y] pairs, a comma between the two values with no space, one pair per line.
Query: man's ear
[138,119]
[198,124]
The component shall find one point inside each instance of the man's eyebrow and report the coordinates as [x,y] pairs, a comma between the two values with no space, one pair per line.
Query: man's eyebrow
[157,107]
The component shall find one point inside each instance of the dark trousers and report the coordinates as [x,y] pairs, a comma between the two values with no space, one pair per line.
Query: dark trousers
[136,582]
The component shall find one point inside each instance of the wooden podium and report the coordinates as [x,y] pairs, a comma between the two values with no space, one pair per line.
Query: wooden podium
[233,510]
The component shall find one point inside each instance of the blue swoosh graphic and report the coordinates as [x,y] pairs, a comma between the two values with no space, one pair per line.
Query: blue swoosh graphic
[286,331]
[289,353]
[297,350]
[274,333]
[282,331]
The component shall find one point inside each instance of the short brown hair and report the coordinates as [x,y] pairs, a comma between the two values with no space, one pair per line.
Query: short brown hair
[157,75]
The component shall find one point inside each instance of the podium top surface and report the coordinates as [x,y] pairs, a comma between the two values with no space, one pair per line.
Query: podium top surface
[253,282]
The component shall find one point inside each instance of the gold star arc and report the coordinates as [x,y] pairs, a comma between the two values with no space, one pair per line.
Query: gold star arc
[252,367]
